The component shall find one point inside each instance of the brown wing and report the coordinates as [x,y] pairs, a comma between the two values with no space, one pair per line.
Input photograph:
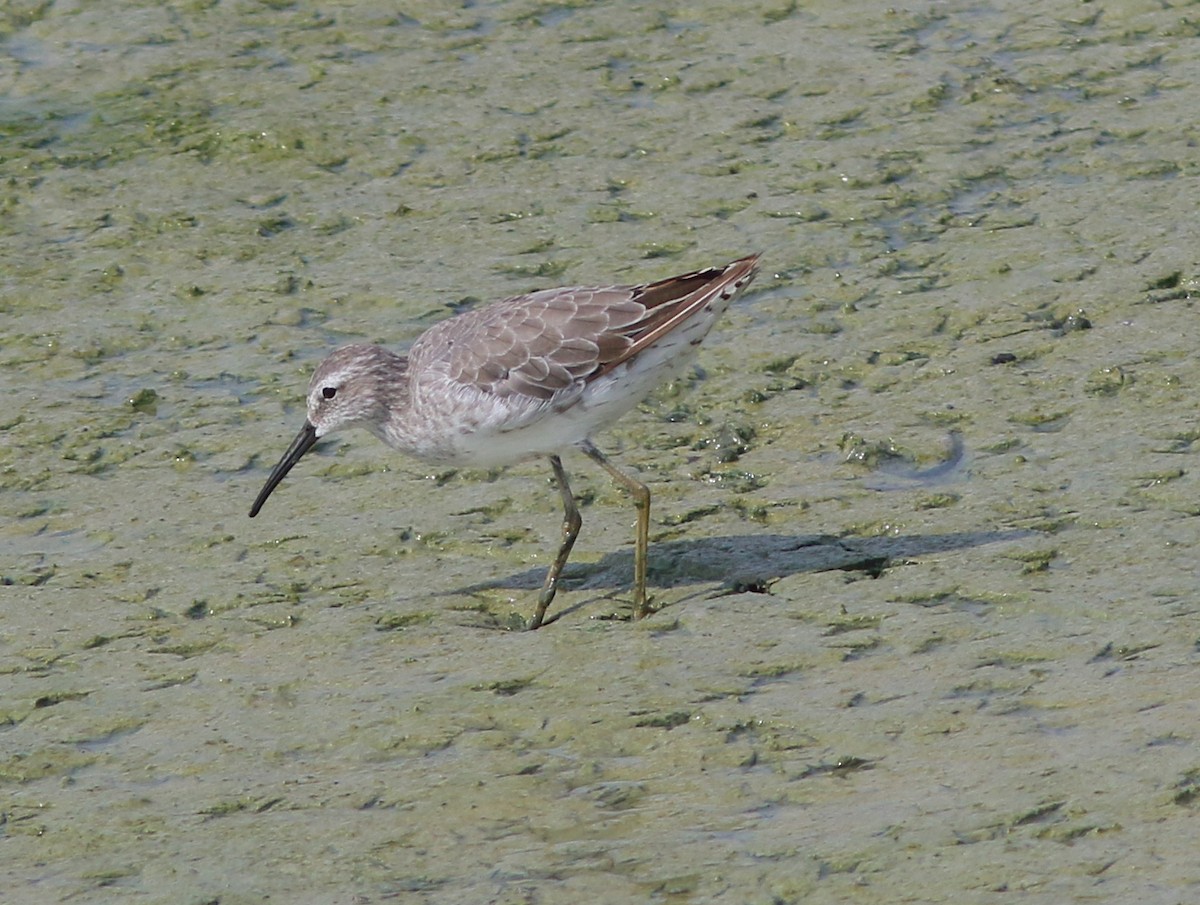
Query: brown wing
[541,344]
[672,301]
[534,345]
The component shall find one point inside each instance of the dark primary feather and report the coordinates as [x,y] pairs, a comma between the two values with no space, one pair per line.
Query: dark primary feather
[539,344]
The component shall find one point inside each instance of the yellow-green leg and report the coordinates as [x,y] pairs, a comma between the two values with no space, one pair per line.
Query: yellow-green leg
[570,529]
[641,500]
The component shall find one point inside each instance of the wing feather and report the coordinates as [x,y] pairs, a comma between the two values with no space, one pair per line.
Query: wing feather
[549,344]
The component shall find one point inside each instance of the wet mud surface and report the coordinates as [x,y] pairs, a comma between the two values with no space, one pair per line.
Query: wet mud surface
[924,511]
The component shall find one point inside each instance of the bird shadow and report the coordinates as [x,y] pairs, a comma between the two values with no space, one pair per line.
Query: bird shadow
[751,562]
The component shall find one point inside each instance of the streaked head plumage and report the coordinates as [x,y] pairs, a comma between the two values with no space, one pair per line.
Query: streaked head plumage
[351,385]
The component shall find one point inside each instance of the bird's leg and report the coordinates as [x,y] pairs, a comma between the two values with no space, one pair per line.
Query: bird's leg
[570,529]
[641,500]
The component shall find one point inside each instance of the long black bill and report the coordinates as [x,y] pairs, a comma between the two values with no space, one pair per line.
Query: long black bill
[303,443]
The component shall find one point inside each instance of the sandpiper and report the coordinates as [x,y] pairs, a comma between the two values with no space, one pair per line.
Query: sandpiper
[532,375]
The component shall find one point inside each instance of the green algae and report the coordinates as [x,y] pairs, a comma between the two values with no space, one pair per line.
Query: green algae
[194,214]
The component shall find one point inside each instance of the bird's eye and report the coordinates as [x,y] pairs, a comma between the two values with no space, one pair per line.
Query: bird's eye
[329,392]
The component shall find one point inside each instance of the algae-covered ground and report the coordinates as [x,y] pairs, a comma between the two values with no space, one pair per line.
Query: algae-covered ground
[925,511]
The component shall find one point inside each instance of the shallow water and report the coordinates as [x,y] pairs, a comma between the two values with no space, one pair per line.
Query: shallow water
[875,676]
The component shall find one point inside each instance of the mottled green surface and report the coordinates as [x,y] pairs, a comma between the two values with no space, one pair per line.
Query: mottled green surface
[875,678]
